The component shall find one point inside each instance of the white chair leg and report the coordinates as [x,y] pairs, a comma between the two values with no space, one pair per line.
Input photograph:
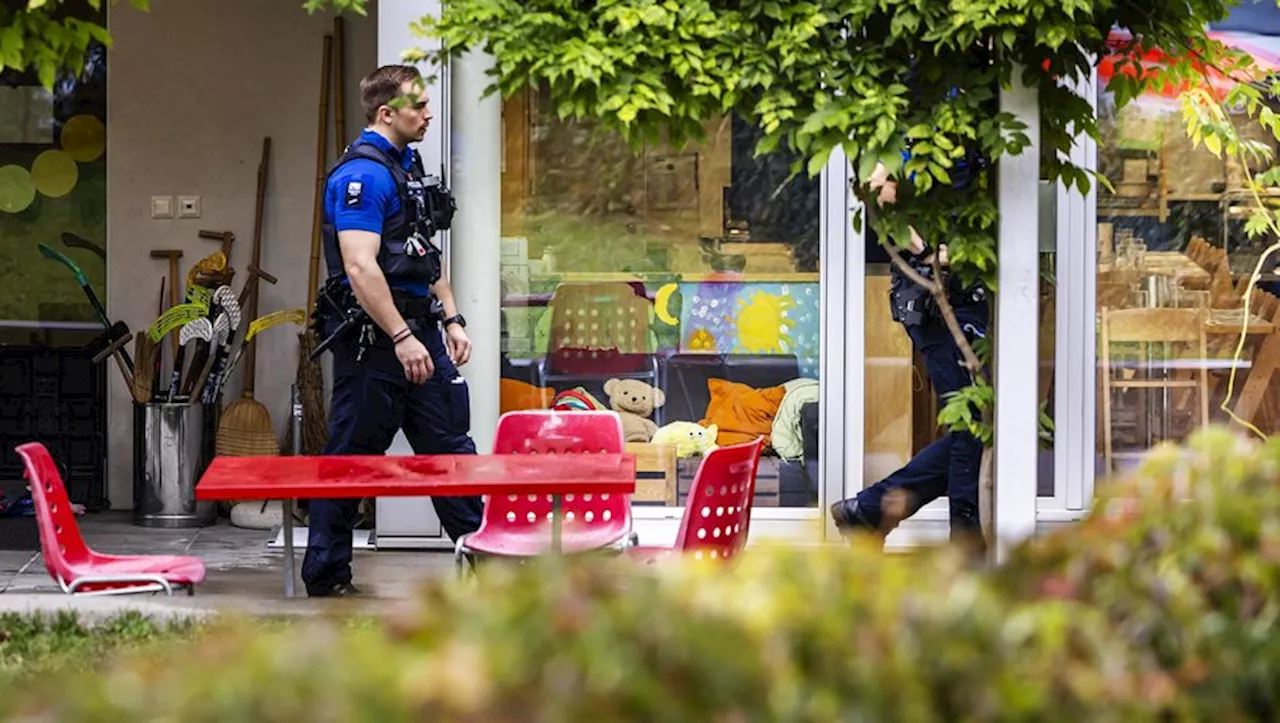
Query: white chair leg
[459,558]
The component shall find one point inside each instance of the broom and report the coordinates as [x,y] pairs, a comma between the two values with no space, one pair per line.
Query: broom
[246,429]
[310,378]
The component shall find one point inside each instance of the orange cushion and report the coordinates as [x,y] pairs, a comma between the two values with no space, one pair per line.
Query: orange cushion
[515,395]
[741,413]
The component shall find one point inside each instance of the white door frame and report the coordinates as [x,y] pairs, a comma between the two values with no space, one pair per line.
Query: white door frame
[1075,353]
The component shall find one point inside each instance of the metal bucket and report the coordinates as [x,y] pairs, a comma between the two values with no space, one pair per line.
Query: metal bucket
[174,452]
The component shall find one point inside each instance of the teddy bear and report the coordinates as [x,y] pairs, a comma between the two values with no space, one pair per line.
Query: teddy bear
[635,401]
[689,438]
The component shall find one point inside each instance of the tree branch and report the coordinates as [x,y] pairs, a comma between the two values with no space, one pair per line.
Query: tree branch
[953,324]
[944,306]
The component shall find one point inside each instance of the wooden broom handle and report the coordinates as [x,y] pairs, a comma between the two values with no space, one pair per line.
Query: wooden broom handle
[322,136]
[339,86]
[250,354]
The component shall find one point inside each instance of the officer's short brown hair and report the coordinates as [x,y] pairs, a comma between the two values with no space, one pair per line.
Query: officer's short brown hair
[383,85]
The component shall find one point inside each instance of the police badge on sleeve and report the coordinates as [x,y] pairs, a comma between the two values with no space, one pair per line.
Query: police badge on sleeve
[355,189]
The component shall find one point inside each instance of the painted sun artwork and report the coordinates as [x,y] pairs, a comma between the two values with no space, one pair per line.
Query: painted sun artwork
[752,318]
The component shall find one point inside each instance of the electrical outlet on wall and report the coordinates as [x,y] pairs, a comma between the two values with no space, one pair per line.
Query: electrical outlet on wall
[162,207]
[188,207]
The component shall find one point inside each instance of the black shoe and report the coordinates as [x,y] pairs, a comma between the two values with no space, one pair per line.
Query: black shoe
[849,517]
[341,589]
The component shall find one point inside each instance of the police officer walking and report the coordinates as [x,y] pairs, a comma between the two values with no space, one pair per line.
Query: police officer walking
[949,466]
[396,367]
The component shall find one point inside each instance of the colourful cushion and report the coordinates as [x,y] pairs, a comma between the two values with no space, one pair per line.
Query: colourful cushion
[742,413]
[515,395]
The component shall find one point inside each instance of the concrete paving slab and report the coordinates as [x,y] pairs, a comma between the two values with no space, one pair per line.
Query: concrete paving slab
[245,573]
[12,561]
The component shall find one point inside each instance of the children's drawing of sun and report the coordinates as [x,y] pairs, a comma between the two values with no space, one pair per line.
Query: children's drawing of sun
[763,323]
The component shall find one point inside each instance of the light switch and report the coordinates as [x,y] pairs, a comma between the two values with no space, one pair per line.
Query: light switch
[162,207]
[188,207]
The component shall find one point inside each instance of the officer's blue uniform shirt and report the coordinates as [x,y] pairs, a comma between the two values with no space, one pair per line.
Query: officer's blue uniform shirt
[361,194]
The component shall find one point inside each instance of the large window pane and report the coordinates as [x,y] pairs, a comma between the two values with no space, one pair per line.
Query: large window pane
[678,284]
[53,182]
[1173,262]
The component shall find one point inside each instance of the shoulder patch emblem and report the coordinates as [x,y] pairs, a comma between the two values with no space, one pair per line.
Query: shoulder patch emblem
[355,190]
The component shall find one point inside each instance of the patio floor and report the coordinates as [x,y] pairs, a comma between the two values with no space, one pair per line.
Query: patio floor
[244,575]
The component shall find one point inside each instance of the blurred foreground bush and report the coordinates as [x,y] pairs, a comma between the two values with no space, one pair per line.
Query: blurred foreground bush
[1165,615]
[1183,559]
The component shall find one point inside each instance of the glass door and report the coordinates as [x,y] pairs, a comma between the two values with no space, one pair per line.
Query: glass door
[685,288]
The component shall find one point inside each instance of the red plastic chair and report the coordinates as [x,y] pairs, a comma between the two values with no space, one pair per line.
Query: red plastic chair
[717,515]
[73,564]
[520,525]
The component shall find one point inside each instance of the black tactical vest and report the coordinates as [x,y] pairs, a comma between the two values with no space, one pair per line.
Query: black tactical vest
[401,268]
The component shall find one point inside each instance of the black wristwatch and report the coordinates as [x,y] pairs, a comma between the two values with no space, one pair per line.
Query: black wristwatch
[455,319]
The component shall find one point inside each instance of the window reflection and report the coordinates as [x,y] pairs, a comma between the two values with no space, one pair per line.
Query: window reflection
[53,182]
[678,285]
[1173,263]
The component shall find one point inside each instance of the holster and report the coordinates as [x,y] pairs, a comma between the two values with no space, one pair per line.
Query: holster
[910,304]
[338,314]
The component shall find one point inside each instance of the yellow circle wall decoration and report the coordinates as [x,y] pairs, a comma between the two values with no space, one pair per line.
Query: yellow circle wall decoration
[84,138]
[17,191]
[54,173]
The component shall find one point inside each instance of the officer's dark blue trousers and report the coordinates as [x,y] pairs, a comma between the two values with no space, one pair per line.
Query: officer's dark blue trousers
[372,400]
[949,466]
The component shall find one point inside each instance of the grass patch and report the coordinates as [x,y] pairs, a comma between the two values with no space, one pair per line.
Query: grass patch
[41,644]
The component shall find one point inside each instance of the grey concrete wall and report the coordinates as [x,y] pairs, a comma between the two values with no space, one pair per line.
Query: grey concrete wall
[193,87]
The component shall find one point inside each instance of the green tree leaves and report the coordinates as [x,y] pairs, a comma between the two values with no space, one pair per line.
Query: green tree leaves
[41,36]
[911,84]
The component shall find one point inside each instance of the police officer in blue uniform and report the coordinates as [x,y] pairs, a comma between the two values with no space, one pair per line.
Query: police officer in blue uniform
[950,465]
[397,368]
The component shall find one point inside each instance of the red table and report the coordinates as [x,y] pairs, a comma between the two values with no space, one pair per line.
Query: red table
[333,476]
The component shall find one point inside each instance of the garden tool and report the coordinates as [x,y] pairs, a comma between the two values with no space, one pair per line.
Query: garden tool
[308,378]
[261,324]
[225,299]
[208,266]
[339,86]
[221,333]
[52,253]
[143,378]
[200,328]
[173,255]
[73,241]
[225,237]
[116,338]
[245,428]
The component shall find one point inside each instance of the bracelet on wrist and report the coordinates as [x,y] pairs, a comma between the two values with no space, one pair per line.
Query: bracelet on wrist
[401,335]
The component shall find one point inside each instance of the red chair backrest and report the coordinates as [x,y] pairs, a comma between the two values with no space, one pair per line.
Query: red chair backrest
[60,540]
[717,516]
[544,431]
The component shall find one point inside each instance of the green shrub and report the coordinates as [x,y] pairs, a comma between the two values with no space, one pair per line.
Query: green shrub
[787,635]
[1166,615]
[1183,558]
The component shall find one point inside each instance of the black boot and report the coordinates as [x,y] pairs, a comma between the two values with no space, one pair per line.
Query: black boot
[849,517]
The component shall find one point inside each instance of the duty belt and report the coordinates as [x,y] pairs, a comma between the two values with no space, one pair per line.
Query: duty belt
[352,318]
[415,307]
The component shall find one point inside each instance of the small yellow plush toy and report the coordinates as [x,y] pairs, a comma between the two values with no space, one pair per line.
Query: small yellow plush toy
[687,437]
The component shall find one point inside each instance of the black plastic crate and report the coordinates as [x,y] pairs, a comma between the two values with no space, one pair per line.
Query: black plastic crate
[56,396]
